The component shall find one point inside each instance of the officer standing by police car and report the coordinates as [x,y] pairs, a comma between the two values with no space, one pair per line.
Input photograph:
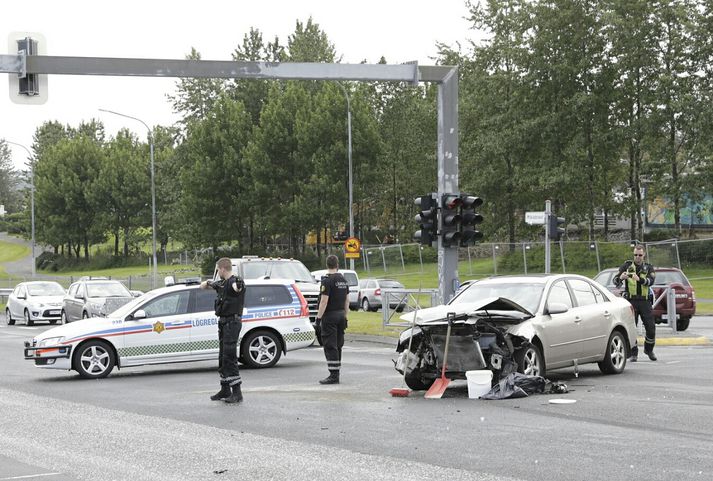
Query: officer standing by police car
[229,308]
[637,276]
[332,317]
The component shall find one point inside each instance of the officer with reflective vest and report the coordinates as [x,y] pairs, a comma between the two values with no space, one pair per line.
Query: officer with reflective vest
[332,317]
[229,303]
[636,277]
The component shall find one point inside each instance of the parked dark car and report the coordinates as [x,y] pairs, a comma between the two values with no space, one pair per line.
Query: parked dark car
[665,277]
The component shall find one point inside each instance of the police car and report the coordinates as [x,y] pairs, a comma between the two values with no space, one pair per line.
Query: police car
[177,324]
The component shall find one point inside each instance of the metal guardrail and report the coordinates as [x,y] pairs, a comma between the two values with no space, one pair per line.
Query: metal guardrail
[5,292]
[404,300]
[671,316]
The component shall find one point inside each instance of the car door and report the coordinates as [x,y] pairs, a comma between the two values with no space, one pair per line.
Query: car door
[163,335]
[70,303]
[204,324]
[561,330]
[595,318]
[371,287]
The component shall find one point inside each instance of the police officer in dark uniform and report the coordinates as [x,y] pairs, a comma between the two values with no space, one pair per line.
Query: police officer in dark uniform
[229,308]
[637,276]
[332,317]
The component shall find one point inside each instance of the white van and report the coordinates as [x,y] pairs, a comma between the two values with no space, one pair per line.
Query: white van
[353,280]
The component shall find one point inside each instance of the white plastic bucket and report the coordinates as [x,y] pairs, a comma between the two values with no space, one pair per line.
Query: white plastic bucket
[478,382]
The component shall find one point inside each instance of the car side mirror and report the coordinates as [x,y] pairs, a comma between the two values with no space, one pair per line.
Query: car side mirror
[136,293]
[557,308]
[22,297]
[140,314]
[80,296]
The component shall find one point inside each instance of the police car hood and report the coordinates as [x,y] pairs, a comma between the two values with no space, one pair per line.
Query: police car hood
[78,328]
[500,307]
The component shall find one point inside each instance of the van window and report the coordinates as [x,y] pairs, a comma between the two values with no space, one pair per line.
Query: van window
[351,278]
[261,296]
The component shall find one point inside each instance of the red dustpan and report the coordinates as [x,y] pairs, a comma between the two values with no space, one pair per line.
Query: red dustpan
[439,386]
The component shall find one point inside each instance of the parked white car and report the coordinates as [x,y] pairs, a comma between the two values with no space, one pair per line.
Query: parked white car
[35,301]
[352,279]
[177,324]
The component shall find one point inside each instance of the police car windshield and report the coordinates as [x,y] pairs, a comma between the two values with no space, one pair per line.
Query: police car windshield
[107,289]
[277,270]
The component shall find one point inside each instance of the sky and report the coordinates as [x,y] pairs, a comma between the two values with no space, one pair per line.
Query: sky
[399,30]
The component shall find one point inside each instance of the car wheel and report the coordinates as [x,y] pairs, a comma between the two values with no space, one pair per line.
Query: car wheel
[8,318]
[94,360]
[63,318]
[28,321]
[365,305]
[415,382]
[682,324]
[261,349]
[400,309]
[615,358]
[530,361]
[85,315]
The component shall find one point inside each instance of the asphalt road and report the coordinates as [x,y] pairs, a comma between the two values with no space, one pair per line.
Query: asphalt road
[653,422]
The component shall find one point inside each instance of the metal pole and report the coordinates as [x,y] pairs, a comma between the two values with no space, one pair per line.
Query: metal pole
[401,250]
[154,272]
[678,257]
[32,201]
[524,257]
[495,262]
[548,213]
[349,155]
[564,270]
[599,262]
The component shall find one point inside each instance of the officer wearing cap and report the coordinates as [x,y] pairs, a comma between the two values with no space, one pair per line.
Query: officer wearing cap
[228,307]
[637,276]
[332,317]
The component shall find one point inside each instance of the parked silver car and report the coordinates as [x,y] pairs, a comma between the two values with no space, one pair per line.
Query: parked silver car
[92,297]
[526,323]
[352,279]
[370,296]
[35,301]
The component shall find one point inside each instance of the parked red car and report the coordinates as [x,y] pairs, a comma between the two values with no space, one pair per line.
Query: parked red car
[665,277]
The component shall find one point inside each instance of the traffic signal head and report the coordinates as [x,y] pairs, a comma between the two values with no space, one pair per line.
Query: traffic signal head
[555,227]
[451,219]
[426,219]
[469,219]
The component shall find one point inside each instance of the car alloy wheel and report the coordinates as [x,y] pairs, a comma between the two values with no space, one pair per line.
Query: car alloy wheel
[261,349]
[94,360]
[529,360]
[63,318]
[365,305]
[8,318]
[615,358]
[28,321]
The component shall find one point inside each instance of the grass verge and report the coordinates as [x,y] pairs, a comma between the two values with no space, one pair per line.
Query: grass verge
[370,323]
[10,252]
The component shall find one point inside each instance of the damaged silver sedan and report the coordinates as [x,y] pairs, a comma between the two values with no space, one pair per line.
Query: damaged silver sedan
[528,324]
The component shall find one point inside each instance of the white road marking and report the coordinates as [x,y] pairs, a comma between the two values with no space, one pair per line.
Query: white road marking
[29,476]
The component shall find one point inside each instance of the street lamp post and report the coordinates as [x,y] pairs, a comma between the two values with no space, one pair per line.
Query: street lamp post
[154,275]
[32,200]
[349,154]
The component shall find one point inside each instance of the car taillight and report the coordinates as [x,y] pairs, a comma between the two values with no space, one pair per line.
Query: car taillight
[693,295]
[304,309]
[377,292]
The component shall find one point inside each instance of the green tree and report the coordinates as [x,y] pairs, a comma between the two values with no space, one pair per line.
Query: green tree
[10,195]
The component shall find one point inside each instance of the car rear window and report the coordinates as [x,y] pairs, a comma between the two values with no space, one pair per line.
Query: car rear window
[605,278]
[391,284]
[664,278]
[260,296]
[107,289]
[351,278]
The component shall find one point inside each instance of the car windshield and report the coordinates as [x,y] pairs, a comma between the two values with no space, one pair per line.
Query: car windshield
[131,306]
[528,295]
[391,284]
[107,289]
[351,278]
[277,270]
[45,289]
[664,278]
[605,278]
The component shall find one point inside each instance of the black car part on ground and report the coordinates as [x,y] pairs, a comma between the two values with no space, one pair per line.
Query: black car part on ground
[473,346]
[516,385]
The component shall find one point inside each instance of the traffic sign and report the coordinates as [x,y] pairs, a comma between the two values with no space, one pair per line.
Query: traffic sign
[352,248]
[535,218]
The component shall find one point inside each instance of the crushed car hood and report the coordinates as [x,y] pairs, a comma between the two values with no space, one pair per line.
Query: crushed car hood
[472,310]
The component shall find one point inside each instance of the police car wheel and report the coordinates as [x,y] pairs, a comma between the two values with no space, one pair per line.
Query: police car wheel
[261,349]
[8,318]
[94,360]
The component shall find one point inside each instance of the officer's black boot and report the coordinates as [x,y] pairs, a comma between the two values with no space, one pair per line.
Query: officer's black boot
[650,352]
[222,394]
[634,356]
[236,397]
[333,378]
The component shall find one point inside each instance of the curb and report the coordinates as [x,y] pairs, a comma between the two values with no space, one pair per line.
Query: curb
[680,341]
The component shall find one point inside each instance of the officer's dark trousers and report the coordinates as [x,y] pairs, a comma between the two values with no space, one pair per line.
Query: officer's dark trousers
[642,308]
[333,325]
[228,334]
